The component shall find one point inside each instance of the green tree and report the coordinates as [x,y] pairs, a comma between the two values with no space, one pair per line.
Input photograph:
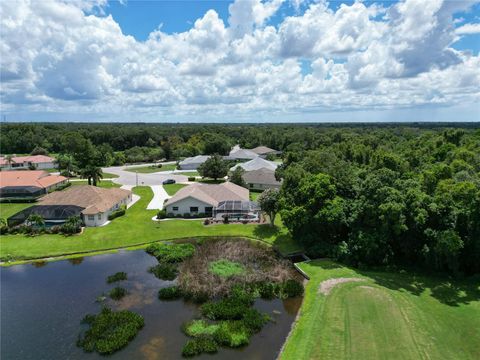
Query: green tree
[35,219]
[93,174]
[236,177]
[269,201]
[39,151]
[215,167]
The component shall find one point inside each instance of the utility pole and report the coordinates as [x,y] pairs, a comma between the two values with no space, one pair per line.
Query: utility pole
[136,177]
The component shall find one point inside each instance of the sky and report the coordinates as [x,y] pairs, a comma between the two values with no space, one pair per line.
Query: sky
[240,61]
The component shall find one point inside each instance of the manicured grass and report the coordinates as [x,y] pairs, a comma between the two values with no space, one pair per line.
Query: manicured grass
[109,175]
[9,209]
[133,229]
[171,189]
[386,316]
[191,173]
[151,168]
[254,195]
[103,183]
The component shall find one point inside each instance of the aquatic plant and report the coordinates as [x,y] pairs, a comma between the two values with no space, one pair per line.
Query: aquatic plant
[196,328]
[117,293]
[171,253]
[200,345]
[119,276]
[291,288]
[170,293]
[230,308]
[109,331]
[164,271]
[226,268]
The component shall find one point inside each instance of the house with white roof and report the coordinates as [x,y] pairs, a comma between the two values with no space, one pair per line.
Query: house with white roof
[241,154]
[256,164]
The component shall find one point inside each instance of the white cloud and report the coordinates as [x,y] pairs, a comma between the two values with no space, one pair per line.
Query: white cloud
[468,29]
[64,57]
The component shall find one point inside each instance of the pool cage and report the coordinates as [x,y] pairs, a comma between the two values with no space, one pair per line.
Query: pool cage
[52,214]
[237,210]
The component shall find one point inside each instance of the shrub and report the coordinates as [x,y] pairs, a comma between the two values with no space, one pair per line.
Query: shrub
[291,288]
[161,214]
[117,293]
[206,222]
[231,308]
[120,212]
[110,331]
[199,345]
[255,320]
[170,215]
[232,334]
[164,271]
[267,290]
[226,268]
[196,328]
[170,293]
[191,178]
[171,253]
[225,220]
[187,215]
[119,276]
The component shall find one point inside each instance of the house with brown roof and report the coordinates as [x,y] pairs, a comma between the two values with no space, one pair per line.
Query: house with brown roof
[261,179]
[26,162]
[92,204]
[201,199]
[28,185]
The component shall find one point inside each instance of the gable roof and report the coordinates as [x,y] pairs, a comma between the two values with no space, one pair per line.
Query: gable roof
[261,176]
[93,199]
[263,150]
[199,159]
[36,178]
[211,194]
[35,159]
[255,164]
[242,154]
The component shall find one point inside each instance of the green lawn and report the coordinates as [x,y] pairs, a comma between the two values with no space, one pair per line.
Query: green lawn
[9,209]
[386,316]
[190,173]
[109,175]
[135,228]
[171,189]
[254,195]
[103,184]
[151,168]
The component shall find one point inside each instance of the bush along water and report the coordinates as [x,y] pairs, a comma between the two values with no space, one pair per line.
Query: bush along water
[119,276]
[117,293]
[170,293]
[109,331]
[171,253]
[164,271]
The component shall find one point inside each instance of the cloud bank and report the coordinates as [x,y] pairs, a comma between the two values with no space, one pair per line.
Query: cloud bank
[67,57]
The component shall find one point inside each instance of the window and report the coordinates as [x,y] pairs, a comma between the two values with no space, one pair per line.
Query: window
[251,185]
[193,209]
[208,209]
[91,217]
[175,208]
[99,216]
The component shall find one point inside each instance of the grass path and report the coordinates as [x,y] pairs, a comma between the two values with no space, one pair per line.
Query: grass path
[134,228]
[386,316]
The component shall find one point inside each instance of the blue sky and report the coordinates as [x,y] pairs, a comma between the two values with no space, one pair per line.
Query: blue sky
[240,61]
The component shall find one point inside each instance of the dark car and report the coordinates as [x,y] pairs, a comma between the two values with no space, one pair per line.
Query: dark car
[168,181]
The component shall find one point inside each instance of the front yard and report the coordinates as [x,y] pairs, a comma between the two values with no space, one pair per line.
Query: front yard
[133,229]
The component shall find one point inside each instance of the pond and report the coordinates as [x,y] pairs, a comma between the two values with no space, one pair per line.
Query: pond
[42,305]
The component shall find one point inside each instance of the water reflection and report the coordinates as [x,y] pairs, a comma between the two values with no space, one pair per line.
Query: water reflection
[41,308]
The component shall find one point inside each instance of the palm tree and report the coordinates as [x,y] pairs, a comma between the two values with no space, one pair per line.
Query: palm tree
[9,160]
[35,219]
[93,174]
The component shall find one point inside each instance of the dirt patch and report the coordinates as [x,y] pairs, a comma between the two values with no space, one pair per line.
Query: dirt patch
[327,285]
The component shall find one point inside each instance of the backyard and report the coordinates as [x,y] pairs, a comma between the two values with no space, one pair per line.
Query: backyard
[384,315]
[133,229]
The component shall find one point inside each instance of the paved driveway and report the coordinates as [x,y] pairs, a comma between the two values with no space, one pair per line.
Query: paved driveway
[131,178]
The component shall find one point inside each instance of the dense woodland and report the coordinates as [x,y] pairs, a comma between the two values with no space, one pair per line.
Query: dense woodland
[363,194]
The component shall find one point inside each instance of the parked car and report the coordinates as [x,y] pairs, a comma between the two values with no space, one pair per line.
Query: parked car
[168,181]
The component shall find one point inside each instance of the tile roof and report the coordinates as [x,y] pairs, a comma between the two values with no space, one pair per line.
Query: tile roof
[263,150]
[242,154]
[256,164]
[36,159]
[211,194]
[93,199]
[37,178]
[261,176]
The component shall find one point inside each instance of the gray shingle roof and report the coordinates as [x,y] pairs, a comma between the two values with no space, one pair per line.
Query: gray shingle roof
[261,176]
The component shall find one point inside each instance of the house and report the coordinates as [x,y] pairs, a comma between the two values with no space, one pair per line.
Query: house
[256,164]
[241,154]
[28,185]
[264,151]
[26,162]
[92,204]
[261,179]
[192,163]
[198,199]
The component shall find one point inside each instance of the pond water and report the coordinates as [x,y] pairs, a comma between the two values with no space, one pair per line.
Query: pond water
[42,305]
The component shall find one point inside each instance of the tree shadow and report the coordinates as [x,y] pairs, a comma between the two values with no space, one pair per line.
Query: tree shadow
[264,231]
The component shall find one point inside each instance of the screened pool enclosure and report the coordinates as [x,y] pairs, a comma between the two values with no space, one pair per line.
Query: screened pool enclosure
[237,210]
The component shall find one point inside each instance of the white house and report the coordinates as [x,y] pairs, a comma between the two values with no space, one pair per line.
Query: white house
[241,154]
[261,179]
[192,163]
[200,198]
[256,164]
[25,162]
[93,204]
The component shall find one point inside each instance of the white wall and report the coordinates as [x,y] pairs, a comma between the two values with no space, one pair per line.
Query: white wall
[101,218]
[39,166]
[185,204]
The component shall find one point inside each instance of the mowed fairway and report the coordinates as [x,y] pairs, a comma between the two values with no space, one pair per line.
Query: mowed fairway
[385,316]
